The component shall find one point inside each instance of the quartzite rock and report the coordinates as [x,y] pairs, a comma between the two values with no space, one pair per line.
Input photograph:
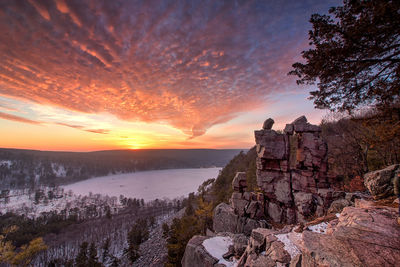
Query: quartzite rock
[271,145]
[379,183]
[367,236]
[290,163]
[268,123]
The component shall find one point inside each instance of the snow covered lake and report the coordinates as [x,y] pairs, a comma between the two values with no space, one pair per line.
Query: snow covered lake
[148,185]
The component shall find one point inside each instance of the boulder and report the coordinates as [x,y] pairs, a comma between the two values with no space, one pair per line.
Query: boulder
[300,120]
[379,183]
[225,219]
[338,205]
[268,123]
[301,125]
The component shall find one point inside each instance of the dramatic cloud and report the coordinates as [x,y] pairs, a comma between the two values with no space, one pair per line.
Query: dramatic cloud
[191,64]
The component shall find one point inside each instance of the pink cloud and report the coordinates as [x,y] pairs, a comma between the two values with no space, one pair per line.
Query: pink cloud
[192,66]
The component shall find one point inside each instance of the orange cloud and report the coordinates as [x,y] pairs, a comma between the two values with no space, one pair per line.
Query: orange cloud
[168,63]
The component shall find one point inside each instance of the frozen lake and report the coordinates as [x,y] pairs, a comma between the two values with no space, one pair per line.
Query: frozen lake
[148,185]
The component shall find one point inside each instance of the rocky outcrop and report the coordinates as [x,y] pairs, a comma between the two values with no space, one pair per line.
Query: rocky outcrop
[380,183]
[365,235]
[295,189]
[292,172]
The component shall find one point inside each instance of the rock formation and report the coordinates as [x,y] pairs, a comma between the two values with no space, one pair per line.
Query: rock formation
[380,183]
[341,242]
[292,172]
[296,188]
[364,235]
[245,212]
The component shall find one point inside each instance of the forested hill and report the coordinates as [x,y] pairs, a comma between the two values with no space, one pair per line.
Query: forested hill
[19,168]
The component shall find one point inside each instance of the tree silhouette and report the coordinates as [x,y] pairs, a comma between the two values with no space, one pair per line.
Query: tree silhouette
[355,56]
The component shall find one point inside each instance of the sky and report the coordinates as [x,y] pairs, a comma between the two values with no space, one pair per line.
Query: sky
[84,75]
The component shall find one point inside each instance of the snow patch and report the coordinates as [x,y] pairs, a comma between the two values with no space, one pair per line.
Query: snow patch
[217,247]
[6,162]
[59,170]
[290,247]
[337,215]
[319,228]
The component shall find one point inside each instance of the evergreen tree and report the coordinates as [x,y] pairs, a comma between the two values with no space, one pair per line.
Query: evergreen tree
[114,261]
[165,229]
[106,251]
[137,235]
[81,259]
[93,259]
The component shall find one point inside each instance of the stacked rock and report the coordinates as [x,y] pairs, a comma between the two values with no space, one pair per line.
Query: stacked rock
[292,171]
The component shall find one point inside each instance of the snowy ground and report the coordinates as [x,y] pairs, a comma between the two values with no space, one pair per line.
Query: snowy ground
[217,247]
[25,202]
[287,240]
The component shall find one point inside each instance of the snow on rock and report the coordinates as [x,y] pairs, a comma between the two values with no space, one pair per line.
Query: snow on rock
[337,215]
[319,228]
[217,247]
[290,247]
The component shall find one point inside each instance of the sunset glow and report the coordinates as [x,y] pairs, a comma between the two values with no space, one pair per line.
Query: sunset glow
[96,75]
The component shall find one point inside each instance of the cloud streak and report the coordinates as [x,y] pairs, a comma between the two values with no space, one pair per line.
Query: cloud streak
[83,128]
[191,64]
[11,117]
